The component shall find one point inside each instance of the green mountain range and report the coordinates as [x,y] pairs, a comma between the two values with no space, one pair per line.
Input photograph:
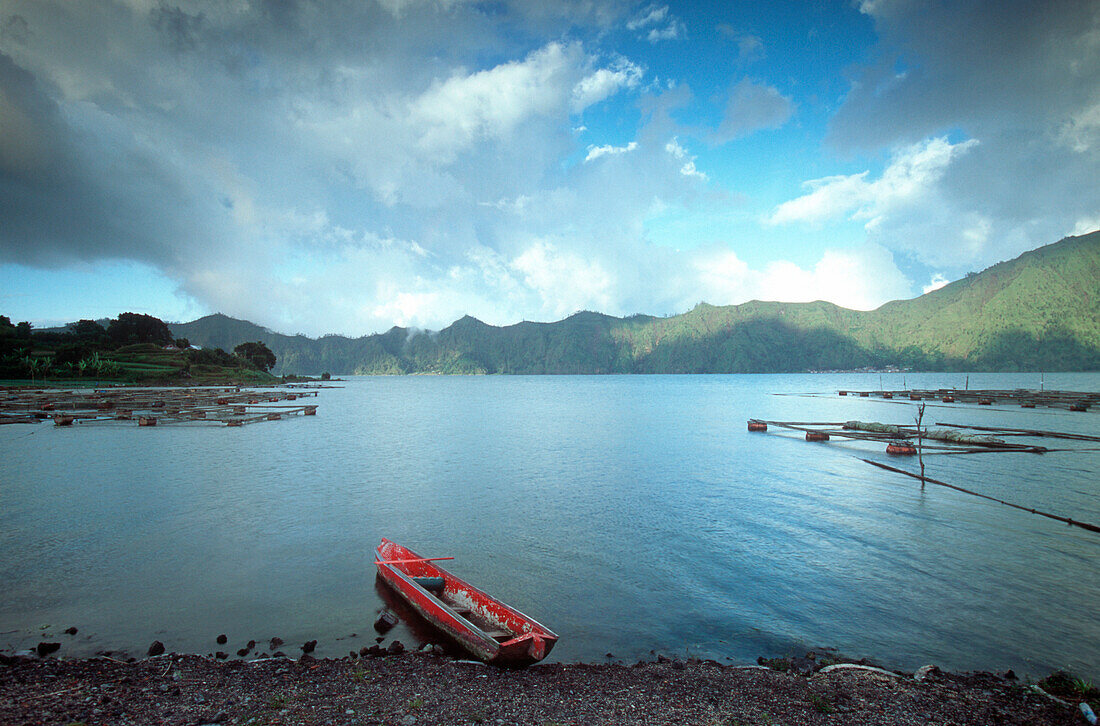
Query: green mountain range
[1040,311]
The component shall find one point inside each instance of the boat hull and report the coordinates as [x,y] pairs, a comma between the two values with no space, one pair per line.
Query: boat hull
[485,627]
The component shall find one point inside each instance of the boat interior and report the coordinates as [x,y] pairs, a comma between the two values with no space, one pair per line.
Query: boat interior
[436,587]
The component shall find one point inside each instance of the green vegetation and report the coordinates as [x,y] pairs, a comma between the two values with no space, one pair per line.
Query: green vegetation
[132,349]
[258,354]
[131,328]
[820,704]
[1072,689]
[1040,311]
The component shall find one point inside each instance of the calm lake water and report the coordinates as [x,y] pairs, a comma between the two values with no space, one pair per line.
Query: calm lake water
[629,514]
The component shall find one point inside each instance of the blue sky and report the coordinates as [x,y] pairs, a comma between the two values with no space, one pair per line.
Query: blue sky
[324,167]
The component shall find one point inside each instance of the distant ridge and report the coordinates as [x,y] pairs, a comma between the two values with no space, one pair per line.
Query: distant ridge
[1039,311]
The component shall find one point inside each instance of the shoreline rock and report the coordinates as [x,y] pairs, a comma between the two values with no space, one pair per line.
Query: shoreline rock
[387,690]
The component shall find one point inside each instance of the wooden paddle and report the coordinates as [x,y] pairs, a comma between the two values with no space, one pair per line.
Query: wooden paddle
[414,559]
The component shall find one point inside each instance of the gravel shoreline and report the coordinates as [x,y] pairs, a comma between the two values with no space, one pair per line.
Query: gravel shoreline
[423,688]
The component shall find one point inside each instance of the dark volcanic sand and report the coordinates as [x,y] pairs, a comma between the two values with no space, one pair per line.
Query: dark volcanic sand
[425,689]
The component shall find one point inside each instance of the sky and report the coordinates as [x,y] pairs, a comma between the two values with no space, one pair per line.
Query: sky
[342,167]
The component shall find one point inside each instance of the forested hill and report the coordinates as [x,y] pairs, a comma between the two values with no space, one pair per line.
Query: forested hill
[1040,311]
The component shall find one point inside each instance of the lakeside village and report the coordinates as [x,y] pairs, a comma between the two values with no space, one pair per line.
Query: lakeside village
[866,369]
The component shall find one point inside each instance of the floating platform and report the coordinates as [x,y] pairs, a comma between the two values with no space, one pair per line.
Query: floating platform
[904,440]
[222,406]
[1068,400]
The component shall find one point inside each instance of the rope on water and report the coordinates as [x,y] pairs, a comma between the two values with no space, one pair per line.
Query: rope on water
[1067,520]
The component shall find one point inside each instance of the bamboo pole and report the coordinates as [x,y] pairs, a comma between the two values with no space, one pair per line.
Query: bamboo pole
[1024,432]
[1067,520]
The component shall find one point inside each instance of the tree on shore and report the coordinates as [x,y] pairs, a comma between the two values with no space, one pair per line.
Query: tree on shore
[131,328]
[88,331]
[257,354]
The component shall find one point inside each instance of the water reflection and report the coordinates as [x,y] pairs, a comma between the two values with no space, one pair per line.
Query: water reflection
[629,514]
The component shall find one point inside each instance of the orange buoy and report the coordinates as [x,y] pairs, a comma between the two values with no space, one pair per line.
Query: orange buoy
[948,399]
[817,436]
[914,396]
[985,402]
[843,393]
[757,426]
[887,395]
[864,394]
[147,421]
[59,420]
[233,422]
[901,449]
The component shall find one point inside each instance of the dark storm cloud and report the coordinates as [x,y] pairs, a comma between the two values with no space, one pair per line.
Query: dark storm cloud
[752,105]
[180,29]
[401,153]
[974,66]
[1023,80]
[86,193]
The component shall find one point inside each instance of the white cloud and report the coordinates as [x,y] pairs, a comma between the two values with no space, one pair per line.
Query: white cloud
[829,197]
[605,82]
[906,182]
[565,282]
[669,32]
[595,152]
[662,25]
[398,8]
[753,106]
[860,279]
[452,114]
[1086,225]
[405,309]
[1082,131]
[907,208]
[750,47]
[677,151]
[652,15]
[935,283]
[1023,78]
[280,167]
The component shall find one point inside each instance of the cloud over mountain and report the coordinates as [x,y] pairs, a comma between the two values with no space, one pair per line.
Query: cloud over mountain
[343,165]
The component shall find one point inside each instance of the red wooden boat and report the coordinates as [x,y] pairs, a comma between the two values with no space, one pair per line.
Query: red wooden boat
[484,626]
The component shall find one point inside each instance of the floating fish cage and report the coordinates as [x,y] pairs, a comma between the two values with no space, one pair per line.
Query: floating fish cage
[154,406]
[1079,401]
[908,440]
